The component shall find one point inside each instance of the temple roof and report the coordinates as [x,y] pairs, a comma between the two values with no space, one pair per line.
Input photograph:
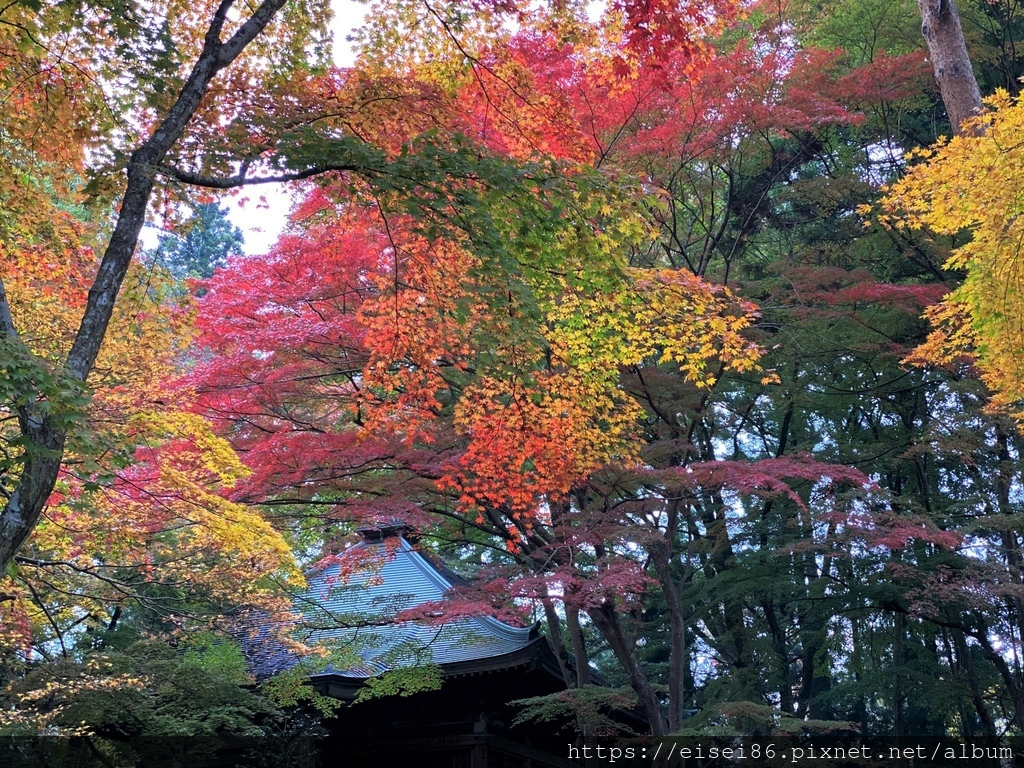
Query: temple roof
[394,581]
[350,605]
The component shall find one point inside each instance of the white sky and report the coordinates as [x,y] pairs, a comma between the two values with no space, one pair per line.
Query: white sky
[262,223]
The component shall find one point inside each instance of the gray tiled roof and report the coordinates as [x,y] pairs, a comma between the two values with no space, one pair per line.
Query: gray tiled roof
[356,614]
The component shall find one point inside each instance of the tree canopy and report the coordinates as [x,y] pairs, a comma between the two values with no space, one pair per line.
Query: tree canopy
[642,316]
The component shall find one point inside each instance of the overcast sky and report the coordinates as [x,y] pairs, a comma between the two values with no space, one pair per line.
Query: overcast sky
[261,224]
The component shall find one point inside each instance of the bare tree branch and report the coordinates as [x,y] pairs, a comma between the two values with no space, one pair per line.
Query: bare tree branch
[242,180]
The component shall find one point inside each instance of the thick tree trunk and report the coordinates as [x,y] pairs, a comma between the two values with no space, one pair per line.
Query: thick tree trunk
[579,648]
[606,619]
[39,473]
[953,71]
[966,668]
[555,630]
[44,437]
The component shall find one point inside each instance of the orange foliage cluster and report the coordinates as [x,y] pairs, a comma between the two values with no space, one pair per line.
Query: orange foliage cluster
[415,317]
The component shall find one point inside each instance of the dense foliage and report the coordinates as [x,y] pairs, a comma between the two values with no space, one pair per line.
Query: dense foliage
[606,310]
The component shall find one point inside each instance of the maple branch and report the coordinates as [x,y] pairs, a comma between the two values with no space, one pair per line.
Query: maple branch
[476,62]
[241,180]
[141,170]
[122,586]
[60,60]
[250,30]
[126,590]
[21,28]
[167,606]
[49,618]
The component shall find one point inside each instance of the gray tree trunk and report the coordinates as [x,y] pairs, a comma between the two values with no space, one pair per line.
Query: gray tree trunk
[44,437]
[948,52]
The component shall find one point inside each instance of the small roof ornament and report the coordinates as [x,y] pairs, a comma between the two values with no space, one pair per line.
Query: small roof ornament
[372,534]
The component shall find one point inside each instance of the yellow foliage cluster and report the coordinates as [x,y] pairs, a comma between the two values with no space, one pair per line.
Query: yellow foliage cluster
[148,504]
[438,41]
[974,184]
[46,277]
[668,315]
[165,522]
[537,435]
[44,708]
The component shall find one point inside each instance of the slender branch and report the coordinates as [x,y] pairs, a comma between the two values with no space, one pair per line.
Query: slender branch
[212,40]
[49,618]
[124,587]
[241,180]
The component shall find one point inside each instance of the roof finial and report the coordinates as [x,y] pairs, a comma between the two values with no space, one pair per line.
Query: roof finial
[386,529]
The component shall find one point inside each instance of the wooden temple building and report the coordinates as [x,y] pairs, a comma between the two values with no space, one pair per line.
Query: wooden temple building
[483,663]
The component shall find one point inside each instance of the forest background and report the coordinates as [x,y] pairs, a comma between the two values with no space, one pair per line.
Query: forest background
[680,324]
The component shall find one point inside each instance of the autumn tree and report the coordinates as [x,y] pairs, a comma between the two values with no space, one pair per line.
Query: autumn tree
[639,483]
[591,304]
[123,492]
[170,125]
[953,69]
[170,494]
[45,433]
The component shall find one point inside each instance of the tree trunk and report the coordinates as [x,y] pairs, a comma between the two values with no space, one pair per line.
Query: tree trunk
[555,630]
[966,664]
[899,630]
[661,559]
[579,648]
[606,619]
[45,437]
[948,51]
